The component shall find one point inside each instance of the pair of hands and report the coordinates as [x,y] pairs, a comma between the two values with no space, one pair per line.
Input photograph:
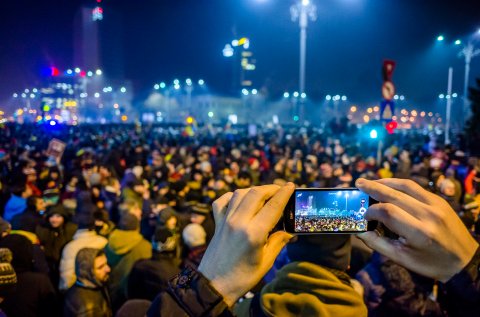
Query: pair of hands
[433,240]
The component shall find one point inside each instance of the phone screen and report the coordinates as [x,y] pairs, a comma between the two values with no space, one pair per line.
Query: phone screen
[329,210]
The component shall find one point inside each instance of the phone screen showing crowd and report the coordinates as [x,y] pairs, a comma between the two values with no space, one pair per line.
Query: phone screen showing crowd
[330,211]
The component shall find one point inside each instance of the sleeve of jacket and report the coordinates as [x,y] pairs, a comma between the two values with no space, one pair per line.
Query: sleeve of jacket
[189,294]
[463,290]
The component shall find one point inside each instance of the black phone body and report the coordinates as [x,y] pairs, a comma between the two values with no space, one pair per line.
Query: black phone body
[328,210]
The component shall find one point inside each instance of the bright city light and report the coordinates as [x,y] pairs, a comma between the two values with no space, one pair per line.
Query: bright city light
[201,82]
[162,85]
[123,90]
[176,87]
[89,73]
[395,97]
[305,2]
[188,82]
[210,114]
[440,38]
[286,95]
[441,96]
[303,95]
[97,95]
[227,51]
[77,70]
[344,98]
[454,95]
[245,92]
[328,97]
[366,118]
[402,97]
[15,95]
[353,109]
[458,42]
[156,86]
[98,72]
[296,94]
[69,71]
[176,82]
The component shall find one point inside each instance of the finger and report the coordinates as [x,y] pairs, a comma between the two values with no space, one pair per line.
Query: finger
[236,199]
[397,220]
[380,244]
[275,243]
[385,194]
[410,188]
[269,215]
[220,206]
[253,201]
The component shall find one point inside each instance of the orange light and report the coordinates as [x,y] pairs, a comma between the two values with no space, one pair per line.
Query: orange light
[353,109]
[124,118]
[190,120]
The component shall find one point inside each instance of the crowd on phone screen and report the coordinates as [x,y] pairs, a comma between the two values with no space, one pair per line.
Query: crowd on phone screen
[127,207]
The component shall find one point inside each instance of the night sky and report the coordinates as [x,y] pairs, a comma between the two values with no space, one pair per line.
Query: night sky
[166,39]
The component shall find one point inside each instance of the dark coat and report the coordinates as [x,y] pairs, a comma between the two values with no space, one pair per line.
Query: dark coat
[150,277]
[86,302]
[34,294]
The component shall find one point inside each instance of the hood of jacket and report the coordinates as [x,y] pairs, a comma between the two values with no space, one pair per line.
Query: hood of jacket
[123,241]
[84,266]
[307,289]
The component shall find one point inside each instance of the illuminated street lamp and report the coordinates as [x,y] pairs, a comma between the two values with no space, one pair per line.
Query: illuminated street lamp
[468,52]
[303,11]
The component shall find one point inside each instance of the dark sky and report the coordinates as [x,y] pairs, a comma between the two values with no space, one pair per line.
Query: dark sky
[165,39]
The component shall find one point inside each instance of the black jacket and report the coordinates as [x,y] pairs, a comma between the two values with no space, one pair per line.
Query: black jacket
[86,302]
[150,277]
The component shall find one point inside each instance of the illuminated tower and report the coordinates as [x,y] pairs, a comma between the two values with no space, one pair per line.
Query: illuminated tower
[87,36]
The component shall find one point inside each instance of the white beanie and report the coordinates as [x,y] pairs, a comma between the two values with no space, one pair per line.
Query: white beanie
[194,235]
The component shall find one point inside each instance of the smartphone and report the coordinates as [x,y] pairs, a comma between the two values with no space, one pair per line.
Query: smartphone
[328,210]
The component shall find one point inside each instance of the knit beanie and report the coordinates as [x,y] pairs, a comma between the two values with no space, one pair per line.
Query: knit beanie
[306,289]
[194,235]
[8,277]
[329,250]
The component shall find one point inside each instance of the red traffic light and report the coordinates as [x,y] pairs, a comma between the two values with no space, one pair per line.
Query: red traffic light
[391,126]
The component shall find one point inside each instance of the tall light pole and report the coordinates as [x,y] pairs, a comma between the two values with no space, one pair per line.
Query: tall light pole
[469,52]
[303,11]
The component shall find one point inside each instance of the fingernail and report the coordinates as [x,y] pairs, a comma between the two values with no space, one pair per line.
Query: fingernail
[360,182]
[290,184]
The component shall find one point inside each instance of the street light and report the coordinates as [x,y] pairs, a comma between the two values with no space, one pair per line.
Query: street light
[440,38]
[468,52]
[303,11]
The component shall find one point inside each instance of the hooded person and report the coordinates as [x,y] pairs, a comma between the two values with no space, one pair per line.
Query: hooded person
[313,284]
[150,277]
[125,247]
[34,294]
[54,234]
[84,237]
[89,296]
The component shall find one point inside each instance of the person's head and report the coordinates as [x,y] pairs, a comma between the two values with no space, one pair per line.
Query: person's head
[447,188]
[130,207]
[194,235]
[199,213]
[244,180]
[37,204]
[21,190]
[128,222]
[164,241]
[91,268]
[84,217]
[22,251]
[8,277]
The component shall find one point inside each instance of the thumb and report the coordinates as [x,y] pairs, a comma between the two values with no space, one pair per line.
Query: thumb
[275,243]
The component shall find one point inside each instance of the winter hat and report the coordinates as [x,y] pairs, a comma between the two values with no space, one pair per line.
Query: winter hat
[164,240]
[128,222]
[84,264]
[8,277]
[331,251]
[58,209]
[201,209]
[194,235]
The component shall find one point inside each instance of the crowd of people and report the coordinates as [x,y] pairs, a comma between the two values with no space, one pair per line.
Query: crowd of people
[332,224]
[100,228]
